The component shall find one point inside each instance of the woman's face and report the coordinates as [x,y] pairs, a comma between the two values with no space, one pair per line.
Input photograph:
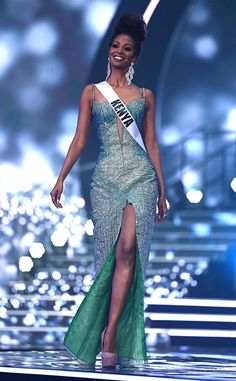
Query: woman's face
[122,51]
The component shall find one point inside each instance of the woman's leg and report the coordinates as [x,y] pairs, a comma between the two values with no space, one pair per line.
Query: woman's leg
[123,274]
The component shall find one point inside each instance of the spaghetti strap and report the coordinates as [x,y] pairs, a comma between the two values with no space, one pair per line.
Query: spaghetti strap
[93,94]
[144,95]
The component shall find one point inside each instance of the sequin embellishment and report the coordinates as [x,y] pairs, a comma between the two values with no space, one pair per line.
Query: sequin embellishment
[123,172]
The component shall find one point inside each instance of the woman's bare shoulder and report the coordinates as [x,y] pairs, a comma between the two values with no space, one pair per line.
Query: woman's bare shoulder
[88,88]
[148,92]
[149,97]
[87,92]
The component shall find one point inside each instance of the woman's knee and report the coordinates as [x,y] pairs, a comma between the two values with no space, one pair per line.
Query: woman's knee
[125,252]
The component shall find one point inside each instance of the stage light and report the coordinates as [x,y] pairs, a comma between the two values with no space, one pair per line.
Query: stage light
[5,57]
[42,275]
[99,14]
[49,338]
[72,269]
[194,195]
[181,262]
[68,120]
[27,239]
[151,339]
[25,264]
[11,269]
[189,112]
[175,269]
[51,292]
[225,218]
[41,38]
[9,48]
[169,255]
[5,340]
[201,229]
[149,10]
[88,280]
[198,13]
[3,138]
[198,317]
[149,290]
[185,276]
[15,303]
[15,179]
[63,143]
[59,238]
[213,200]
[29,319]
[170,135]
[56,275]
[42,322]
[37,250]
[157,278]
[32,98]
[206,47]
[20,286]
[79,201]
[149,282]
[160,292]
[194,148]
[20,179]
[174,284]
[65,287]
[3,312]
[190,179]
[5,220]
[230,123]
[88,227]
[75,240]
[233,184]
[51,71]
[203,264]
[183,332]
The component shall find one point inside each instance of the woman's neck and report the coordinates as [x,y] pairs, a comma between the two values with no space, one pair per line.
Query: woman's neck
[117,78]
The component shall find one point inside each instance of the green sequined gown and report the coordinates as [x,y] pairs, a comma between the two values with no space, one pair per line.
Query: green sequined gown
[123,173]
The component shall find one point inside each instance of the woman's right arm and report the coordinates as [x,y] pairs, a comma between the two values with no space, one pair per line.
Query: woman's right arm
[77,145]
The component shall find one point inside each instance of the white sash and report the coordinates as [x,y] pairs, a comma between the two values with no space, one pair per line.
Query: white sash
[121,111]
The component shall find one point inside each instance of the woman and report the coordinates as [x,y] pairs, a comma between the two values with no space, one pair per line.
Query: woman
[125,184]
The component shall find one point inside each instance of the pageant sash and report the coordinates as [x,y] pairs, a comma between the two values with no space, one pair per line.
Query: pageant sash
[121,111]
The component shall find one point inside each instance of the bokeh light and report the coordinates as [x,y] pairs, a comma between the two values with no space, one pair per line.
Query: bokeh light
[194,195]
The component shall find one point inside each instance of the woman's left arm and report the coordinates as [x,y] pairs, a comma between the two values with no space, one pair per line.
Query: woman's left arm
[150,141]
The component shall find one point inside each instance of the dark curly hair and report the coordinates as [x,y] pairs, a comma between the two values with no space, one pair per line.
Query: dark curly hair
[134,26]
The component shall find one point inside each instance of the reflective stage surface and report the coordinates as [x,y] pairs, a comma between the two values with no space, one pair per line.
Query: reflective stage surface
[174,365]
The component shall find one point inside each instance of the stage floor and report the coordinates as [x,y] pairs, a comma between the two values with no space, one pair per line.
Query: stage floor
[171,366]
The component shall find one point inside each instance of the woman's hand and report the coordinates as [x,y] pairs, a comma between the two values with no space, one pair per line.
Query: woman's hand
[56,194]
[162,209]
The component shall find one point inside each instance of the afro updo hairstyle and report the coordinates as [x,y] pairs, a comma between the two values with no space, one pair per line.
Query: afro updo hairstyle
[134,26]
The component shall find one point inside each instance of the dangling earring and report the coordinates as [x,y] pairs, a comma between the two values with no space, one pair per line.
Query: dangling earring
[130,73]
[108,69]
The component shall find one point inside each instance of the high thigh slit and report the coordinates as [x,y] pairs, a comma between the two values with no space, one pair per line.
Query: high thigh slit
[123,175]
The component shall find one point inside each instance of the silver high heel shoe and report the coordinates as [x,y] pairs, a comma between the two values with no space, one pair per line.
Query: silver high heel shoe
[109,359]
